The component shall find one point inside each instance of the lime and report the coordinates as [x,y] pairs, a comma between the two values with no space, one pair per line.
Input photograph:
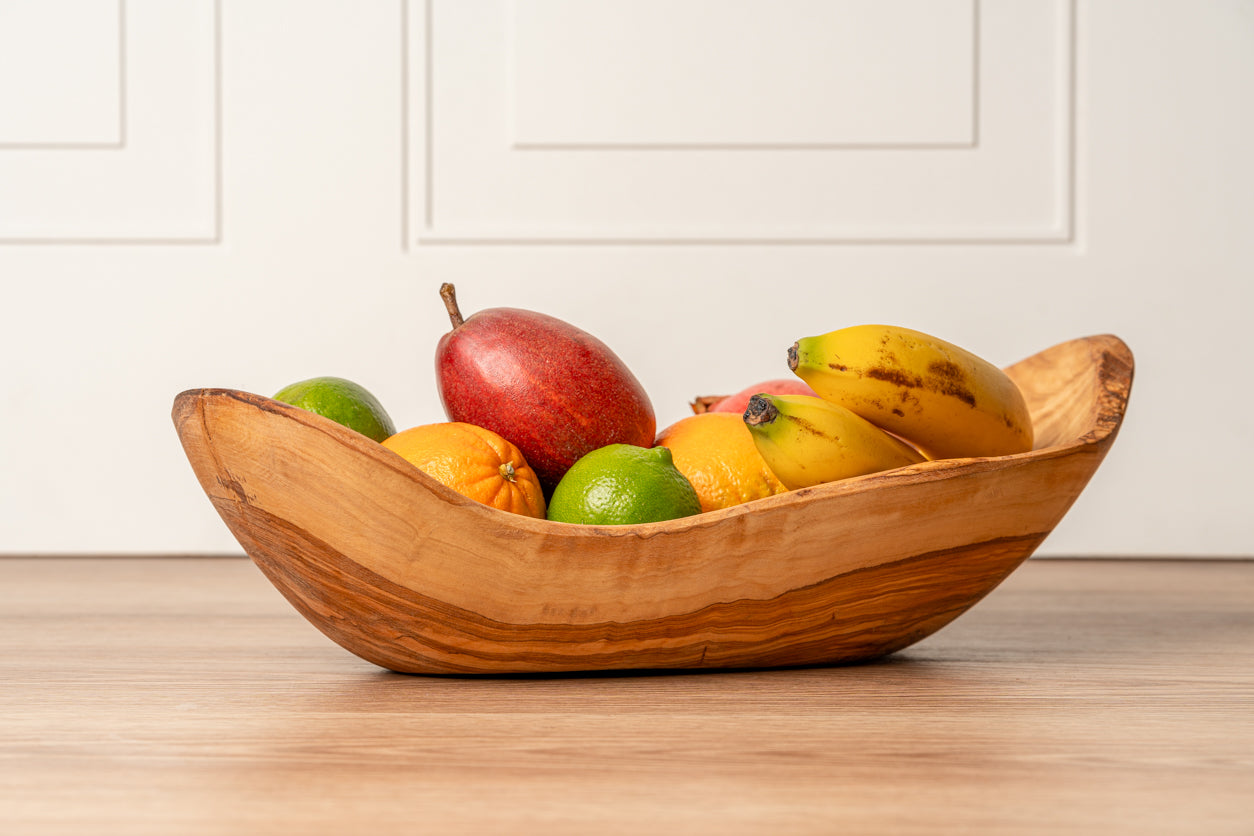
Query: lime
[342,401]
[622,484]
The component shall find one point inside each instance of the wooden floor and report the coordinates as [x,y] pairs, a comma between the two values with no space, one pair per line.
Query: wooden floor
[184,696]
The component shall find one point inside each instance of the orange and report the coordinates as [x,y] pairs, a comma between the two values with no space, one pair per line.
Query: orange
[473,461]
[715,451]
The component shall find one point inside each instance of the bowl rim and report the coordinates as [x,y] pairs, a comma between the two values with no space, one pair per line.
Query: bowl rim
[1110,407]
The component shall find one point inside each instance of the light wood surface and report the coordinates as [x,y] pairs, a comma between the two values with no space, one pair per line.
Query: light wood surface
[185,696]
[409,575]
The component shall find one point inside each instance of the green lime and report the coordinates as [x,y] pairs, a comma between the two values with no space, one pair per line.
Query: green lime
[622,485]
[342,401]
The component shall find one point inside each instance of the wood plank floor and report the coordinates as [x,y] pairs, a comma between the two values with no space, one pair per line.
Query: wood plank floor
[184,696]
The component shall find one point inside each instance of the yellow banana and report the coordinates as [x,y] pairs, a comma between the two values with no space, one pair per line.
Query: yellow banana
[807,441]
[941,398]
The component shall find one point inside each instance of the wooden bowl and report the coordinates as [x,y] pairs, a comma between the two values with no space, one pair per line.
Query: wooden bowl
[413,577]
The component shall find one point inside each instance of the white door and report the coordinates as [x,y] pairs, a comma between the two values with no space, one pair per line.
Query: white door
[245,194]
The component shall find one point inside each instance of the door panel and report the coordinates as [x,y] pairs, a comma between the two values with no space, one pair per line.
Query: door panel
[230,194]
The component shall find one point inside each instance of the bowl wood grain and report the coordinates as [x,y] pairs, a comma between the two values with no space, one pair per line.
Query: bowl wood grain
[413,577]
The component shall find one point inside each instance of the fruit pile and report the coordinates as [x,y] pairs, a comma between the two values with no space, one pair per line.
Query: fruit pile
[545,420]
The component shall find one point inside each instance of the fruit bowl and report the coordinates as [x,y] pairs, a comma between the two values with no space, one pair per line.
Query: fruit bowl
[413,577]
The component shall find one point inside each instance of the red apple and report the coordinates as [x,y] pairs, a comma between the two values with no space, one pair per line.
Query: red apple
[739,401]
[554,391]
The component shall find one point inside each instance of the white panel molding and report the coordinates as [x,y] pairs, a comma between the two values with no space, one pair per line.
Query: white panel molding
[159,181]
[62,74]
[467,180]
[569,93]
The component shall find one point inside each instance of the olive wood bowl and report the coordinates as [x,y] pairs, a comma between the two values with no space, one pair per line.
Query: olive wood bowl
[413,577]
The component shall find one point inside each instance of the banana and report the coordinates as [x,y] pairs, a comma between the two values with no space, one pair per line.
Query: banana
[807,441]
[944,400]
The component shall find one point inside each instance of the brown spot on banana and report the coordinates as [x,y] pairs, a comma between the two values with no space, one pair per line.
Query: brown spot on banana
[940,384]
[895,376]
[806,426]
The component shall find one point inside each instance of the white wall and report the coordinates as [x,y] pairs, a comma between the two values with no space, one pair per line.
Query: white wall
[245,194]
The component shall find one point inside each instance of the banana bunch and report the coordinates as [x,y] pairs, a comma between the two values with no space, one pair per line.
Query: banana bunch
[807,441]
[942,399]
[901,384]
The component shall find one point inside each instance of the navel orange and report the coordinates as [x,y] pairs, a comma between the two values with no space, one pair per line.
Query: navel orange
[715,451]
[473,461]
